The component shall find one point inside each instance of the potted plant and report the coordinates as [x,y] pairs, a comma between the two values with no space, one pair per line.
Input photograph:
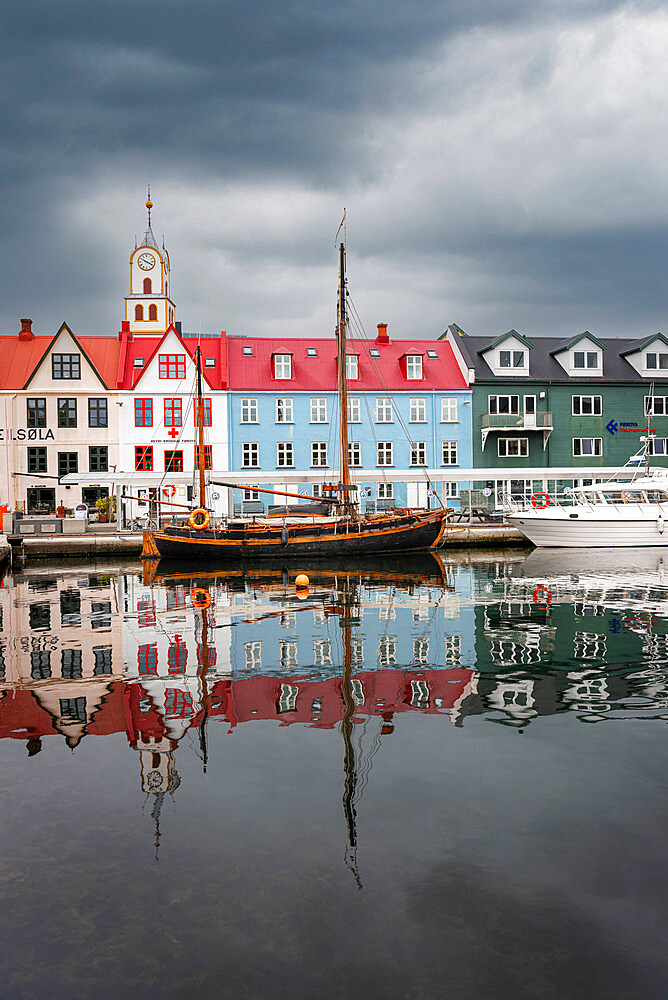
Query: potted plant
[19,510]
[102,504]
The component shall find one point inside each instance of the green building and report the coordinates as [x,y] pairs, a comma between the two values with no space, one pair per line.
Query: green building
[547,404]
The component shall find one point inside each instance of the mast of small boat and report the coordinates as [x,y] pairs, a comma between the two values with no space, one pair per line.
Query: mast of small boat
[341,323]
[200,431]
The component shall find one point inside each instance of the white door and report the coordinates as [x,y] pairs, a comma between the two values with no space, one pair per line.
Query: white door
[529,411]
[416,494]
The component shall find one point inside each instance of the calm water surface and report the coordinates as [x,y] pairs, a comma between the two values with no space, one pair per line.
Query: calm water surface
[420,779]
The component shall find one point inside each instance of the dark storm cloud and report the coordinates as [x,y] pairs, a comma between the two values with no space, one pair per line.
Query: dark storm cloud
[448,129]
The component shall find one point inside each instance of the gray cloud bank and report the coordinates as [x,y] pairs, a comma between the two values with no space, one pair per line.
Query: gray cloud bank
[501,162]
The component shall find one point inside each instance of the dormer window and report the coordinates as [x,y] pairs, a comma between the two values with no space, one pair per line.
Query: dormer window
[247,352]
[283,366]
[352,366]
[655,361]
[512,359]
[413,366]
[586,359]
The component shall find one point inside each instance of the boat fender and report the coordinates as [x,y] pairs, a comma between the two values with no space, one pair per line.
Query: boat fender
[201,598]
[284,537]
[195,523]
[660,524]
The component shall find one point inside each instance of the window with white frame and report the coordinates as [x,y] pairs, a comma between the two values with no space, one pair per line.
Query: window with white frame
[449,453]
[512,359]
[318,453]
[352,366]
[418,410]
[248,411]
[284,410]
[587,446]
[418,453]
[287,653]
[453,648]
[253,655]
[419,694]
[285,455]
[655,360]
[251,495]
[449,410]
[383,410]
[586,359]
[413,366]
[385,491]
[354,410]
[504,404]
[656,406]
[250,455]
[387,650]
[287,700]
[451,490]
[513,447]
[322,652]
[658,446]
[319,410]
[354,454]
[420,650]
[384,452]
[587,406]
[282,366]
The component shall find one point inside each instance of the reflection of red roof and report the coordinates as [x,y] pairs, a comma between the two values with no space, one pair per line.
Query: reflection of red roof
[20,358]
[22,717]
[309,373]
[146,348]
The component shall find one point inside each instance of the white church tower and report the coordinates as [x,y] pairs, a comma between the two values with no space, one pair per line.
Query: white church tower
[148,307]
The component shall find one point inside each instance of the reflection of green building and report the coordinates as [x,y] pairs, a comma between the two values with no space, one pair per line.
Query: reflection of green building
[579,403]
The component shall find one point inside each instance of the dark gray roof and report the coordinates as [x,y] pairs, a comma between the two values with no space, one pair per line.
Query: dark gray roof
[544,367]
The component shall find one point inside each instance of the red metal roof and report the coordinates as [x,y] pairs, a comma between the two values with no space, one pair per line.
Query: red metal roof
[20,358]
[146,347]
[319,373]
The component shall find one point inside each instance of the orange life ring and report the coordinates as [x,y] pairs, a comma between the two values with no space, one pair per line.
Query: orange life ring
[538,497]
[543,594]
[169,490]
[201,598]
[195,524]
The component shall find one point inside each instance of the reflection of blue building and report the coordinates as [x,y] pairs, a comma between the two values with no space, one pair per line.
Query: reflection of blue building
[409,417]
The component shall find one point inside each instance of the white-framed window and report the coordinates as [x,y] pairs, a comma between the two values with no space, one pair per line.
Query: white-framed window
[419,694]
[251,495]
[451,490]
[287,653]
[658,446]
[383,410]
[656,360]
[453,648]
[656,406]
[355,454]
[282,366]
[513,447]
[284,410]
[449,410]
[384,452]
[318,453]
[253,655]
[385,491]
[285,457]
[418,453]
[387,650]
[287,700]
[587,359]
[512,359]
[352,366]
[504,404]
[413,366]
[319,410]
[418,410]
[249,410]
[587,406]
[587,446]
[420,650]
[354,410]
[322,652]
[449,453]
[250,455]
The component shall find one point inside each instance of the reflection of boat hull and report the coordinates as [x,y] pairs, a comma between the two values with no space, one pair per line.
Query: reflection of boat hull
[398,533]
[589,527]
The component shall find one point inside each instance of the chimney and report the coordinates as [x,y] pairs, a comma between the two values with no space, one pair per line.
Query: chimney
[25,333]
[382,337]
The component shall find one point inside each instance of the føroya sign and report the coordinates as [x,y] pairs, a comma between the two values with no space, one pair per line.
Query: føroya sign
[628,427]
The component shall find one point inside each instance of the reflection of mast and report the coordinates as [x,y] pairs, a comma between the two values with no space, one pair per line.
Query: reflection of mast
[203,671]
[349,763]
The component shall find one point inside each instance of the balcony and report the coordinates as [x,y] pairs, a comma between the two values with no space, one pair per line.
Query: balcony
[517,422]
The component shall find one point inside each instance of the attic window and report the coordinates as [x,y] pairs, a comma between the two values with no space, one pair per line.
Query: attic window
[311,352]
[656,361]
[432,354]
[209,362]
[138,363]
[511,359]
[374,352]
[586,359]
[247,352]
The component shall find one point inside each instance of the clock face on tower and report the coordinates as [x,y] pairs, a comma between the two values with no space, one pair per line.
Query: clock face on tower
[146,261]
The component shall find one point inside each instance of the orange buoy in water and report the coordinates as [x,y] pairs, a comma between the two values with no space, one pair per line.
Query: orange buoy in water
[301,581]
[302,593]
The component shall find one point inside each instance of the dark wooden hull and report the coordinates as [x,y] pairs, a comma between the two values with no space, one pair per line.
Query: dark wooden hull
[410,532]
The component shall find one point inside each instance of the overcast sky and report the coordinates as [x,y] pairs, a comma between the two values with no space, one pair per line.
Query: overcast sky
[502,162]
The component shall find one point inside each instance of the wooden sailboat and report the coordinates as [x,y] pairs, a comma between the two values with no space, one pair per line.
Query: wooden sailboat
[343,532]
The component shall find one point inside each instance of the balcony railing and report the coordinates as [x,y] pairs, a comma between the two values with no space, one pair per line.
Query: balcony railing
[517,421]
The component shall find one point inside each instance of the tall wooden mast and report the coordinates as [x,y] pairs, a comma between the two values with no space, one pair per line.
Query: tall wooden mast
[200,431]
[341,324]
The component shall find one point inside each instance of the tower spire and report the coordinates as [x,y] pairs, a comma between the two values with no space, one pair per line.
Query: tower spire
[149,205]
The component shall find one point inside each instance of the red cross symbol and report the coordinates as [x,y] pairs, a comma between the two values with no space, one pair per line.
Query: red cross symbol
[173,433]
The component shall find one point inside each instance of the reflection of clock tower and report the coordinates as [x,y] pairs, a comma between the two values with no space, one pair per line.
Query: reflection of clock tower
[148,307]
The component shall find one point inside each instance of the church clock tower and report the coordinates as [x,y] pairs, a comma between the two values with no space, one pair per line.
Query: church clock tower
[148,307]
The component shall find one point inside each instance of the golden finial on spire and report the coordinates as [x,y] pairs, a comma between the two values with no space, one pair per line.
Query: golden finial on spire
[149,204]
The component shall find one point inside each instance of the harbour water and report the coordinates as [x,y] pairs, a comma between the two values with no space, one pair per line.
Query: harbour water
[440,777]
